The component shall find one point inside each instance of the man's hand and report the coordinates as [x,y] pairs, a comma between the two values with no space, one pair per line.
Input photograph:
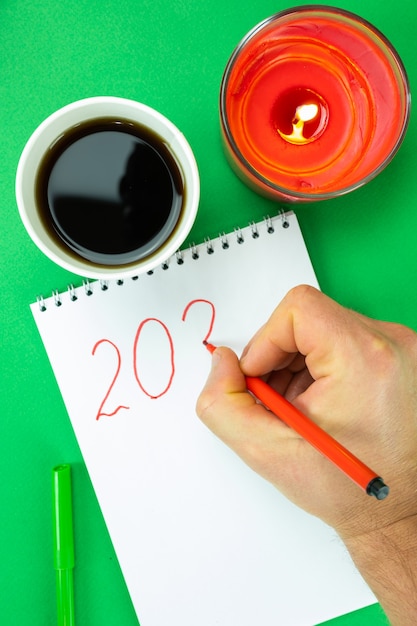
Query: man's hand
[356,378]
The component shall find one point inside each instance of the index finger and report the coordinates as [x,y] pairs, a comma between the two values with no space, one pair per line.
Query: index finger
[306,322]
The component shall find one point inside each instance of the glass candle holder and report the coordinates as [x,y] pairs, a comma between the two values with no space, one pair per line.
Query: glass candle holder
[314,103]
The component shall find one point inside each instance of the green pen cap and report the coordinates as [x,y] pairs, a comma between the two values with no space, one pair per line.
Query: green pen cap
[63,534]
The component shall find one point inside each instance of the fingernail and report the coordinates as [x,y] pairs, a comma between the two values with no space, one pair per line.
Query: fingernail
[215,358]
[245,353]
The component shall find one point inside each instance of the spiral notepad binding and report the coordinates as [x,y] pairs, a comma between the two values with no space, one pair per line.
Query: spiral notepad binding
[193,252]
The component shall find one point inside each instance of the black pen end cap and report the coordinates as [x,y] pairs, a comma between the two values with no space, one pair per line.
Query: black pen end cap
[377,488]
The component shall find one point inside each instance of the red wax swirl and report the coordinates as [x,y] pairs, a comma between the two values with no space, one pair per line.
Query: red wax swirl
[313,56]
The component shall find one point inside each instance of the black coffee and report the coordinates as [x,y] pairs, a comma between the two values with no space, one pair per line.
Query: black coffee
[110,190]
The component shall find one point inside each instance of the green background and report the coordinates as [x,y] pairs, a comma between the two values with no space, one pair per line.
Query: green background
[169,55]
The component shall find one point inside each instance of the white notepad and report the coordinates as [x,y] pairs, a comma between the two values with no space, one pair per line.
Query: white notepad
[201,539]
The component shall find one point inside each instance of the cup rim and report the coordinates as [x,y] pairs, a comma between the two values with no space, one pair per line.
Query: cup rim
[78,110]
[289,194]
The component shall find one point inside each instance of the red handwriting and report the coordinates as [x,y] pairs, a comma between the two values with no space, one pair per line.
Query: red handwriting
[136,359]
[119,363]
[135,351]
[213,315]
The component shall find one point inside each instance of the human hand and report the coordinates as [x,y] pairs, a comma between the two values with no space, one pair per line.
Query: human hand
[355,377]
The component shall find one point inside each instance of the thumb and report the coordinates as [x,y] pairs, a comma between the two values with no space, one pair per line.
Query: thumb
[232,413]
[225,385]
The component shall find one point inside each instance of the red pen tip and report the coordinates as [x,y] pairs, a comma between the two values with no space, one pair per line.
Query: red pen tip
[209,346]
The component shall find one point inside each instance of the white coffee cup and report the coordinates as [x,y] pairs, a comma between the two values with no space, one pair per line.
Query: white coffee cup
[70,116]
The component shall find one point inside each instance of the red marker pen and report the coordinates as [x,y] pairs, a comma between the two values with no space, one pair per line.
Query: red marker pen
[357,471]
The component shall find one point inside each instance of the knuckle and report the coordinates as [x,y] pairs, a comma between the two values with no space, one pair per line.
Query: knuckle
[383,355]
[300,293]
[205,405]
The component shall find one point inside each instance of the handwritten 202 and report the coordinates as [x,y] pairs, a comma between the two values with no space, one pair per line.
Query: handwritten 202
[101,411]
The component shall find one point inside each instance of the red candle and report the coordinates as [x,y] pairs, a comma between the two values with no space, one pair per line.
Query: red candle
[314,103]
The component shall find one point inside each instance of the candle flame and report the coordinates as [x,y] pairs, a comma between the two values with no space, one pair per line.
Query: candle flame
[304,113]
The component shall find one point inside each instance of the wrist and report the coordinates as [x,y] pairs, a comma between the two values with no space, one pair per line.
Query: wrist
[387,560]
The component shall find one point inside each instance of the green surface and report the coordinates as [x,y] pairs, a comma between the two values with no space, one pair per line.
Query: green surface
[170,56]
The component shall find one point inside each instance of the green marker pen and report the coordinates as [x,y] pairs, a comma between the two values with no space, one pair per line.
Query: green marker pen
[63,543]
